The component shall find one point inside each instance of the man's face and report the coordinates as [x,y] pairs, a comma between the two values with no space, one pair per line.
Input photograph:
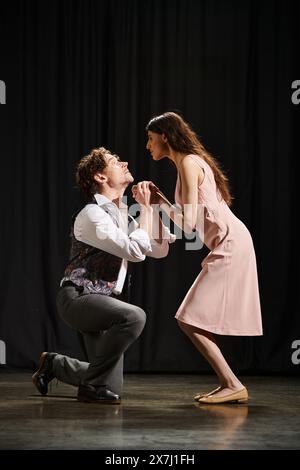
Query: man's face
[116,172]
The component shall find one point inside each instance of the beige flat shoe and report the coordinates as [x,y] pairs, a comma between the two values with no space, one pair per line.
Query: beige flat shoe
[200,395]
[235,397]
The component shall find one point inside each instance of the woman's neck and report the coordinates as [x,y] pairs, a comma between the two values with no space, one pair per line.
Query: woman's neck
[176,158]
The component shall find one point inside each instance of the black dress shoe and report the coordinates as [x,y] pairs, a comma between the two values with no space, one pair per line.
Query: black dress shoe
[44,374]
[91,394]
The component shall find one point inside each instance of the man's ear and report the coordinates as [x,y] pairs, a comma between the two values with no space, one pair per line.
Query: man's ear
[100,178]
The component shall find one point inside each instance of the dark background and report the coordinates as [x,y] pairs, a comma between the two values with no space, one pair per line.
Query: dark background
[87,73]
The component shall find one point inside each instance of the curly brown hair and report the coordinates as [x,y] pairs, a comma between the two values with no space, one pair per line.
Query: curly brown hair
[182,138]
[86,169]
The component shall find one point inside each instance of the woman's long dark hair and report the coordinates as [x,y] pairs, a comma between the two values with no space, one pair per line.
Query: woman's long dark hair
[183,139]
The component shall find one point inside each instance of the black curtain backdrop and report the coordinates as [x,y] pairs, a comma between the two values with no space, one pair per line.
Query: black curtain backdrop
[81,74]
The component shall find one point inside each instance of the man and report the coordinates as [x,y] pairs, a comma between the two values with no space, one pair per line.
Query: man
[101,245]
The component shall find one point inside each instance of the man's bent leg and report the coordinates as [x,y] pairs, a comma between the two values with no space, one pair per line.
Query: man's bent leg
[106,368]
[92,313]
[115,379]
[69,370]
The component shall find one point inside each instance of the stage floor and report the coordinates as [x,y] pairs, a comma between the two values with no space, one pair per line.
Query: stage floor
[157,412]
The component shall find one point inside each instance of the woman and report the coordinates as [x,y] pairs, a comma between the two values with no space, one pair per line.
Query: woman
[224,299]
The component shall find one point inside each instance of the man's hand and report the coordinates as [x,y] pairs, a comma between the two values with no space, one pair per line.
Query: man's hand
[156,194]
[142,194]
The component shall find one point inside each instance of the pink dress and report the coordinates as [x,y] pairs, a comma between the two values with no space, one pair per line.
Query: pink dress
[224,298]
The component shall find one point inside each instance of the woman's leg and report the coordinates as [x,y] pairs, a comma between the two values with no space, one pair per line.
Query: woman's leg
[206,343]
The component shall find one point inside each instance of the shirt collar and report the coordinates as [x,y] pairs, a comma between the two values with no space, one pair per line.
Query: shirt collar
[101,200]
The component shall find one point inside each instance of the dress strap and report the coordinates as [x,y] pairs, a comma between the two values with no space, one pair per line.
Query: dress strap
[197,159]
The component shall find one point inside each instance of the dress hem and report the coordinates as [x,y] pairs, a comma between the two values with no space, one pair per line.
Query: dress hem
[219,331]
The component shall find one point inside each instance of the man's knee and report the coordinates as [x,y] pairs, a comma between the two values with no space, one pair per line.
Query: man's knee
[136,318]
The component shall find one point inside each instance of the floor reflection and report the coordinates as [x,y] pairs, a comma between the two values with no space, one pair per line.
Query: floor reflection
[227,421]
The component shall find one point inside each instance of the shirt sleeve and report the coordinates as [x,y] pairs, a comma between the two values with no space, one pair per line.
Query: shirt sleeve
[95,227]
[158,250]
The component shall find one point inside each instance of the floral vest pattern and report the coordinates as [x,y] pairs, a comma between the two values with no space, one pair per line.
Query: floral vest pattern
[91,267]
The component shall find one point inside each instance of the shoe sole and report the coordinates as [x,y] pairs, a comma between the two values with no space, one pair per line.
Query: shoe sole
[231,402]
[104,402]
[221,402]
[36,374]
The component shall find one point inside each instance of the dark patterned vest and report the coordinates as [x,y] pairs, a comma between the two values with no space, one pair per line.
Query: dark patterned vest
[91,267]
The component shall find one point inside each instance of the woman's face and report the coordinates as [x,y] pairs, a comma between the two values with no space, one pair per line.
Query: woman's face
[157,145]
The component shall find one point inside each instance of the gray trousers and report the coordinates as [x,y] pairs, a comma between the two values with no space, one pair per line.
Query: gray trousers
[109,326]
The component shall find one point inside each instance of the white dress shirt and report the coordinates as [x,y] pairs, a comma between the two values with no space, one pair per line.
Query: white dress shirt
[95,227]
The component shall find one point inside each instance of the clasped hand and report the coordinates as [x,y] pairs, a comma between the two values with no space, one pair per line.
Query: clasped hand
[145,193]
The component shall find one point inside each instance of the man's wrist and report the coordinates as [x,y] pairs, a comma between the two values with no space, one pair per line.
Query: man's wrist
[156,205]
[147,208]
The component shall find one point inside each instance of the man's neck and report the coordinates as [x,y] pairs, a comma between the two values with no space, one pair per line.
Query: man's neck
[114,195]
